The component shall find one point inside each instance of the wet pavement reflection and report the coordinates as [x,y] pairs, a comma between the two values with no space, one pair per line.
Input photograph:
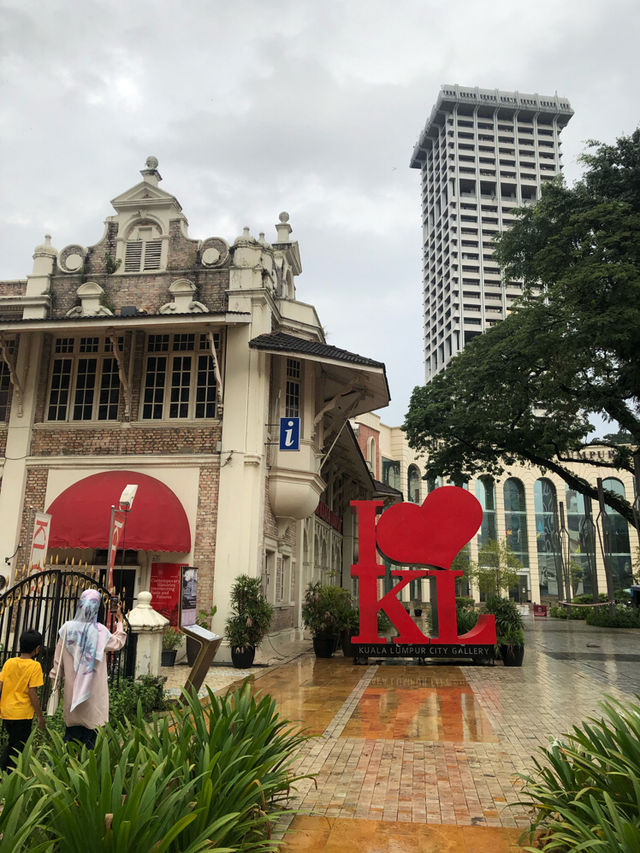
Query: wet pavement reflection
[426,758]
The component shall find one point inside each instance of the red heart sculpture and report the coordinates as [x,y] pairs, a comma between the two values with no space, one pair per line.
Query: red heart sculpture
[431,534]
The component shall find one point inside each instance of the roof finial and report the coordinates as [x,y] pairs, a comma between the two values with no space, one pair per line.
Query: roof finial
[283,228]
[151,175]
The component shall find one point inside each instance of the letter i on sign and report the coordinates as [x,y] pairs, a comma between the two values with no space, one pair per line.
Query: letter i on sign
[289,433]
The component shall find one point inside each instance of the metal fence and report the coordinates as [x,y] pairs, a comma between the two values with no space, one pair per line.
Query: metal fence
[44,601]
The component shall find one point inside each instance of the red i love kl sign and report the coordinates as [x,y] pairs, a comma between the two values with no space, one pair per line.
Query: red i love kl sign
[428,535]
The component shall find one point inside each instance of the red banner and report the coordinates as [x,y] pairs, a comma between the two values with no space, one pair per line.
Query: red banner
[165,590]
[118,520]
[39,541]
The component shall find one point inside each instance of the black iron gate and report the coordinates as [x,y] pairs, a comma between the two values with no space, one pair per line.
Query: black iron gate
[44,601]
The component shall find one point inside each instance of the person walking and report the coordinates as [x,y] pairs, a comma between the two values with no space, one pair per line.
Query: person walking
[19,680]
[80,651]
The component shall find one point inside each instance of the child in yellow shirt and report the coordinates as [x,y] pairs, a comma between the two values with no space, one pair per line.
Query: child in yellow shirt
[18,696]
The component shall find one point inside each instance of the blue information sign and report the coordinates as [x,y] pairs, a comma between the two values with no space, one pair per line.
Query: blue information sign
[289,433]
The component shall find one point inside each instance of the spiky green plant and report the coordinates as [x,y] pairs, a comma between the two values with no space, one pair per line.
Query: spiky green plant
[585,790]
[197,778]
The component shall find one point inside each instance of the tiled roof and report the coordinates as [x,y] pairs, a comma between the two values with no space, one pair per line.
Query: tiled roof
[385,489]
[289,343]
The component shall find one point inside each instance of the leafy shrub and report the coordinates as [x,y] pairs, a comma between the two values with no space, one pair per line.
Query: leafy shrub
[326,609]
[509,625]
[464,602]
[560,612]
[624,617]
[585,790]
[197,778]
[467,618]
[587,598]
[385,625]
[146,689]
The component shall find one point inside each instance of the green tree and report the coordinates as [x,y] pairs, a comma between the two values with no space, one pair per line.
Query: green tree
[525,390]
[496,570]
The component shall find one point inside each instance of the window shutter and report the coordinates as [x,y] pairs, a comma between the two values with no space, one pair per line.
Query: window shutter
[133,256]
[152,252]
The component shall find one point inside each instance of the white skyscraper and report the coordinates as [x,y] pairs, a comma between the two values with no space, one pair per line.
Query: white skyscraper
[482,153]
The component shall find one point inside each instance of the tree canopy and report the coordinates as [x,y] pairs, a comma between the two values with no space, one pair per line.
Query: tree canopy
[524,390]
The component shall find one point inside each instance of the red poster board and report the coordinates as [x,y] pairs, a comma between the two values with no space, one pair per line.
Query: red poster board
[165,590]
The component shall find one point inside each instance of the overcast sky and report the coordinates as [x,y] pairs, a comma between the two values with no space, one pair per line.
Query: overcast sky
[253,107]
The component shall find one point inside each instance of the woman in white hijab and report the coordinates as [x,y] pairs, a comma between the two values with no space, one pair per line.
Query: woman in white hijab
[81,649]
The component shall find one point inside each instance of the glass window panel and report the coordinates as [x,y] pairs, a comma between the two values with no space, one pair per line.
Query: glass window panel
[180,387]
[60,385]
[85,389]
[205,388]
[5,382]
[515,519]
[154,387]
[109,391]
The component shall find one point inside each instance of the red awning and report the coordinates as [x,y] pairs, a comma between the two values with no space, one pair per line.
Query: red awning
[80,516]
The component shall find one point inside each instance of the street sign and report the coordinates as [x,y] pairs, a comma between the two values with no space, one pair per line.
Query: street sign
[289,433]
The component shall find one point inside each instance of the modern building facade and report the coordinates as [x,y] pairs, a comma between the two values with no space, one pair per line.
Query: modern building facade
[533,511]
[168,362]
[482,153]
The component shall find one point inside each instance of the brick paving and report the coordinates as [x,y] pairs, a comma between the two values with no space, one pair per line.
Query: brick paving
[442,746]
[426,758]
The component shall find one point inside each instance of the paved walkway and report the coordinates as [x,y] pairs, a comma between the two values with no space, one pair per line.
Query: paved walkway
[410,759]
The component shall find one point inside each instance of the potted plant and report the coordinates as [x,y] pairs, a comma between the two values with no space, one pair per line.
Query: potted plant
[250,620]
[324,612]
[509,630]
[171,639]
[203,619]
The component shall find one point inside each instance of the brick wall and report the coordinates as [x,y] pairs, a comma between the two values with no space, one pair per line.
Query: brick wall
[13,288]
[147,291]
[115,441]
[34,495]
[364,433]
[205,537]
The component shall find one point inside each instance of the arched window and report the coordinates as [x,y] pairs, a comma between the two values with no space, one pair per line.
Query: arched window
[143,249]
[371,455]
[486,495]
[413,484]
[616,538]
[582,541]
[433,483]
[515,519]
[547,538]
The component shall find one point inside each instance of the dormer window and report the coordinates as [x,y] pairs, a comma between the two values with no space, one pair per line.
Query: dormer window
[143,250]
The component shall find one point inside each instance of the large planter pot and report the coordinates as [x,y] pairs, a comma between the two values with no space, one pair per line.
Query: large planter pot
[243,658]
[512,655]
[168,657]
[324,647]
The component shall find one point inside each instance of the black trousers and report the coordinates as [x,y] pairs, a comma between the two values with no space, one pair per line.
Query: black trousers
[81,734]
[18,732]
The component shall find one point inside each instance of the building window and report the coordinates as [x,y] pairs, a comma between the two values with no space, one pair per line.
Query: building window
[486,495]
[143,250]
[292,583]
[413,484]
[279,579]
[292,389]
[179,380]
[391,473]
[5,381]
[515,519]
[547,537]
[85,382]
[582,541]
[616,538]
